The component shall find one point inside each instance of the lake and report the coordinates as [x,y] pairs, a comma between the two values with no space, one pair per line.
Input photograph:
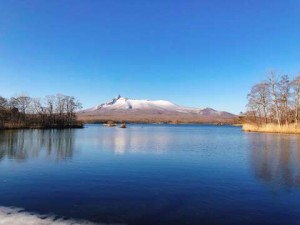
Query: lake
[152,174]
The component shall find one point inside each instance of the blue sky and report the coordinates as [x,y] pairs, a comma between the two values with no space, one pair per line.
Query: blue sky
[194,53]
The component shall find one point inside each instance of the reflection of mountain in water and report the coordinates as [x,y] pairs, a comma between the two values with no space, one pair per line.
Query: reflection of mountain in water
[136,140]
[24,144]
[276,159]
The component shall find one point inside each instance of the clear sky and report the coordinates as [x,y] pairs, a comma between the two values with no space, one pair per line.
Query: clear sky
[193,53]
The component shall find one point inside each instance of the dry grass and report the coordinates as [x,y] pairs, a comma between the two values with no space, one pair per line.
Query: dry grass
[272,128]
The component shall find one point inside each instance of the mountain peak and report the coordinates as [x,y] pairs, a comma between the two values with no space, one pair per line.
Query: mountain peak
[119,96]
[125,105]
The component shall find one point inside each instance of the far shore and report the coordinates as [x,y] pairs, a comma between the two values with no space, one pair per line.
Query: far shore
[157,119]
[170,123]
[272,128]
[82,123]
[79,126]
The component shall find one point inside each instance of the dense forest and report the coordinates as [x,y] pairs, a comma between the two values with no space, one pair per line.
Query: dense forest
[274,101]
[55,111]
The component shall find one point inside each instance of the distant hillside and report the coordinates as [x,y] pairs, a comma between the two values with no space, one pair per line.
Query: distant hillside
[133,110]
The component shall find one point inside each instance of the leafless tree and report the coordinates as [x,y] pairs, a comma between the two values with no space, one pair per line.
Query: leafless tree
[259,99]
[277,100]
[54,111]
[3,103]
[23,103]
[296,89]
[284,87]
[273,84]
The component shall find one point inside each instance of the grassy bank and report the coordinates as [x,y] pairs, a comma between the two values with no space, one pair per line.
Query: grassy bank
[272,128]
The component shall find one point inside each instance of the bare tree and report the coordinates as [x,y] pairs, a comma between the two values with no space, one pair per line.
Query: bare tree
[278,100]
[53,112]
[60,103]
[273,83]
[3,103]
[284,87]
[259,98]
[23,103]
[3,107]
[37,106]
[50,102]
[296,88]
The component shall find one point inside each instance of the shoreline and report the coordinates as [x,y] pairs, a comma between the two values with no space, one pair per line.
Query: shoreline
[166,123]
[81,126]
[164,119]
[271,128]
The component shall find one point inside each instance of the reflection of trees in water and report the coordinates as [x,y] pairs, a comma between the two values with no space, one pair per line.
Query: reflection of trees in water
[23,144]
[275,159]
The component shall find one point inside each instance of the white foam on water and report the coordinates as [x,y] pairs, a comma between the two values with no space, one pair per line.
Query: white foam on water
[17,216]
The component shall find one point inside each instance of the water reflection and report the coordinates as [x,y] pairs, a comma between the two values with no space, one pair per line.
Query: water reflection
[26,144]
[275,159]
[137,140]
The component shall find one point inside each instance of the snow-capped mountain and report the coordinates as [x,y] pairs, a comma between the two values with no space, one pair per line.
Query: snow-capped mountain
[122,105]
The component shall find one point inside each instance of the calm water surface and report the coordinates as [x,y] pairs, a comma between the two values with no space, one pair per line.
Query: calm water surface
[153,174]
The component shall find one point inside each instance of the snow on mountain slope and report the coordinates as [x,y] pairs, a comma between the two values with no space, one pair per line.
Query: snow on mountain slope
[134,106]
[121,103]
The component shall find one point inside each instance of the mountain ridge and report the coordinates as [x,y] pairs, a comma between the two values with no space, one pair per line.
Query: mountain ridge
[151,110]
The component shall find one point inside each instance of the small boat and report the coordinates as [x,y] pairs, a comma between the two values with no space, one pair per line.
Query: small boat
[123,125]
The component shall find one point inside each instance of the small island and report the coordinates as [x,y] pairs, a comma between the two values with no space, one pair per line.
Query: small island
[274,106]
[54,111]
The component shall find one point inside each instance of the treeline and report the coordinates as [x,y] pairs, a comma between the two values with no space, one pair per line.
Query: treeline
[274,101]
[54,111]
